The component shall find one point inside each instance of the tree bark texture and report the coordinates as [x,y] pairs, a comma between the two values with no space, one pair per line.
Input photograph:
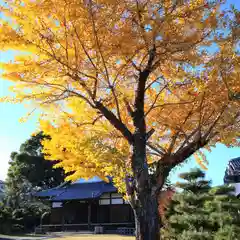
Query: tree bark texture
[147,220]
[145,207]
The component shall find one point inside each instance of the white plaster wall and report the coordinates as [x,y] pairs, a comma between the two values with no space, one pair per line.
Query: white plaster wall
[237,188]
[1,191]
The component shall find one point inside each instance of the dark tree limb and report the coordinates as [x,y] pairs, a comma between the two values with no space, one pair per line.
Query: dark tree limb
[115,121]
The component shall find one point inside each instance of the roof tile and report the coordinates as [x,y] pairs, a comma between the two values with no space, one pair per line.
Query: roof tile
[77,191]
[232,170]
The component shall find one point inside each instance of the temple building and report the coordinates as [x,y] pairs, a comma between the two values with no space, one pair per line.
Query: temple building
[232,174]
[83,205]
[1,190]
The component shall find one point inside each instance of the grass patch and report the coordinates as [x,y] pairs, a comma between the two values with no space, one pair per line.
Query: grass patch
[95,237]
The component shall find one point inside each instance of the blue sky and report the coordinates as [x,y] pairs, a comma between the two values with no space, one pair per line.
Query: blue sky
[13,133]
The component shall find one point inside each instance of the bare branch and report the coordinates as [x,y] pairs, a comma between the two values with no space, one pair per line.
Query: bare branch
[66,34]
[200,112]
[82,83]
[237,115]
[154,101]
[173,142]
[104,63]
[95,88]
[154,153]
[139,118]
[129,108]
[188,137]
[84,123]
[115,121]
[52,55]
[63,90]
[180,48]
[129,60]
[150,133]
[170,104]
[154,81]
[206,135]
[158,149]
[97,41]
[84,49]
[116,102]
[135,66]
[187,151]
[139,23]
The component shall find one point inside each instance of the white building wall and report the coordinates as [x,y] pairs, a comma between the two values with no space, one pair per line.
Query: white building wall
[1,190]
[237,188]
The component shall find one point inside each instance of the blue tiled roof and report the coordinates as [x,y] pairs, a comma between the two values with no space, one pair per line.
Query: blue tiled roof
[232,170]
[77,190]
[52,192]
[49,193]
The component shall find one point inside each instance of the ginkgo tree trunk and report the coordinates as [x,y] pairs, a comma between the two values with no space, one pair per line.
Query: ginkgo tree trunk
[128,89]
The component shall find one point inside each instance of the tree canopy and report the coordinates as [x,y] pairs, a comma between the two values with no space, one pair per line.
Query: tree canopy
[28,172]
[30,165]
[84,59]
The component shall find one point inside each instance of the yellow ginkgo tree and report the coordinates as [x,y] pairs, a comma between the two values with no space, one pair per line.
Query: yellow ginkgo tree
[128,88]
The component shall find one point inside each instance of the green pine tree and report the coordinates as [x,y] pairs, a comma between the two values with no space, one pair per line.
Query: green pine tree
[201,212]
[186,217]
[28,172]
[224,213]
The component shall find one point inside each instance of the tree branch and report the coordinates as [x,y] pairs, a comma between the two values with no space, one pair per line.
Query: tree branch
[97,41]
[129,108]
[214,123]
[115,121]
[84,49]
[154,81]
[187,151]
[150,133]
[173,142]
[116,102]
[154,101]
[158,150]
[139,120]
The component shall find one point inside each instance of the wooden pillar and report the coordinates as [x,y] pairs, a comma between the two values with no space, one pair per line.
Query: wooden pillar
[89,215]
[63,217]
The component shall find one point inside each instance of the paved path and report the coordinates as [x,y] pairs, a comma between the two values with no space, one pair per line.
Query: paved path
[28,237]
[42,237]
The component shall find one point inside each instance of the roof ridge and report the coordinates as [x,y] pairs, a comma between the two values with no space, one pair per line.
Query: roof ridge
[232,171]
[88,183]
[234,159]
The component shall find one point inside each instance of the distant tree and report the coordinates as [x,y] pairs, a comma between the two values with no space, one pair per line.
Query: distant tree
[5,219]
[201,212]
[29,172]
[33,167]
